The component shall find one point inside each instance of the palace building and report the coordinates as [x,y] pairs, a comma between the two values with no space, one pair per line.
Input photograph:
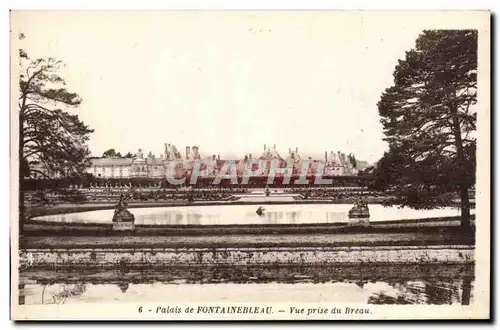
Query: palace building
[335,164]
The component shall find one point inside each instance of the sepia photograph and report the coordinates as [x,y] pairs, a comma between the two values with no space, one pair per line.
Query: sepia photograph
[250,165]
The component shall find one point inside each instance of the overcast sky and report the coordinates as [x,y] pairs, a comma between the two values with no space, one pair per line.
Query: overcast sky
[228,82]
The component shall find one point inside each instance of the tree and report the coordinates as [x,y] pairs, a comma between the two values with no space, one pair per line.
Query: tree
[49,136]
[429,120]
[128,155]
[111,153]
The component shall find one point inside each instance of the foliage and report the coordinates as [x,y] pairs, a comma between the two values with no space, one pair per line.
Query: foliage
[51,140]
[49,136]
[429,120]
[111,153]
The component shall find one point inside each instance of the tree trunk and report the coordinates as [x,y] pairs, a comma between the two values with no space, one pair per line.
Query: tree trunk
[21,192]
[465,206]
[463,186]
[21,169]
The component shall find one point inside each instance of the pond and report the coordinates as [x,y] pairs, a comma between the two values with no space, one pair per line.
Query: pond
[246,214]
[375,284]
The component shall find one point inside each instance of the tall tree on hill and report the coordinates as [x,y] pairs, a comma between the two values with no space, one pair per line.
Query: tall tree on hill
[429,120]
[48,135]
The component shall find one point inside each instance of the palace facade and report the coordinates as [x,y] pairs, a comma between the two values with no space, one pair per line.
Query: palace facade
[150,166]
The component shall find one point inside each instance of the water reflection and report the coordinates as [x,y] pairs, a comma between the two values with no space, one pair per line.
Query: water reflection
[392,284]
[59,293]
[426,292]
[123,287]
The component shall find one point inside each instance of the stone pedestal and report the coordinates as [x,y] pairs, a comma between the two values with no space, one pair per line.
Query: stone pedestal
[123,220]
[359,221]
[359,214]
[123,226]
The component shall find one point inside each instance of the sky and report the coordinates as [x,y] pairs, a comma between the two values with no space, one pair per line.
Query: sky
[228,82]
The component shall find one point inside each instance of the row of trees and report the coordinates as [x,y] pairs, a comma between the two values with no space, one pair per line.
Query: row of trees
[113,153]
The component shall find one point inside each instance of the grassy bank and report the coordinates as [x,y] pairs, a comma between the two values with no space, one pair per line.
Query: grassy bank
[416,237]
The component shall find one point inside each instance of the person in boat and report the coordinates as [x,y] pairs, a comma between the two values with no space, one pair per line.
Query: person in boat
[260,210]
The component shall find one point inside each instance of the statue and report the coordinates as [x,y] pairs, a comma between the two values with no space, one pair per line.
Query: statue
[306,194]
[190,196]
[123,219]
[359,210]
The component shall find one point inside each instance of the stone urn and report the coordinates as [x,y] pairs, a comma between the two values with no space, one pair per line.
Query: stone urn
[123,219]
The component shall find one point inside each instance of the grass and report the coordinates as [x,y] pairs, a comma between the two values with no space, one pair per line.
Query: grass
[437,236]
[40,228]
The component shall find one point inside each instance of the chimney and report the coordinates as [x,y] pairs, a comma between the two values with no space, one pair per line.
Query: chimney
[326,156]
[289,151]
[218,157]
[265,148]
[213,157]
[188,151]
[250,156]
[274,147]
[196,153]
[296,150]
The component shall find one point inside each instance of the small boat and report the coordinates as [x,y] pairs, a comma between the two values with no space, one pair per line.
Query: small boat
[260,210]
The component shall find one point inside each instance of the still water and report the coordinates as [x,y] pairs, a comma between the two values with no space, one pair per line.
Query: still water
[395,284]
[246,214]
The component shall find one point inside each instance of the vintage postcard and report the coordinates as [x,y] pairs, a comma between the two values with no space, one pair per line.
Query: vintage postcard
[250,165]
